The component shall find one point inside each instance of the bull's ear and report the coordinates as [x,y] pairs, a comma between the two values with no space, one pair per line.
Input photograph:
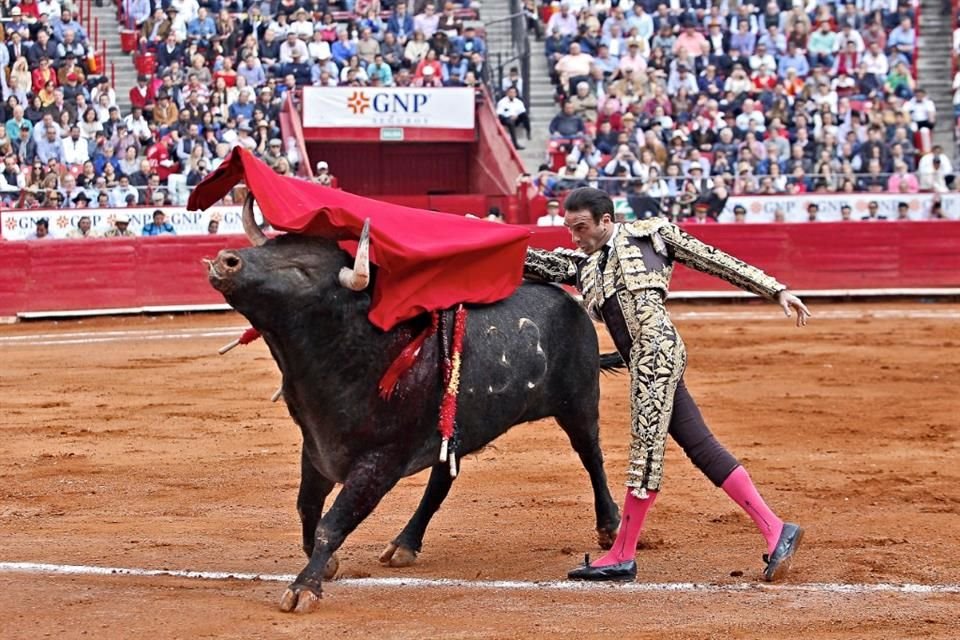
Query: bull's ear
[254,233]
[358,278]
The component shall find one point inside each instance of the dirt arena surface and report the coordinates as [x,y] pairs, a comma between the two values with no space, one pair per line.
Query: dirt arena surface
[128,442]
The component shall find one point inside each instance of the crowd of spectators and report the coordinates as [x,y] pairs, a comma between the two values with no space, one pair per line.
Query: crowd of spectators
[696,97]
[221,70]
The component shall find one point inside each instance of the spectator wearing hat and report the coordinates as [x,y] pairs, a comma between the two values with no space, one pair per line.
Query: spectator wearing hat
[324,176]
[297,68]
[427,76]
[84,228]
[700,215]
[42,230]
[159,226]
[274,152]
[121,227]
[80,200]
[584,103]
[552,218]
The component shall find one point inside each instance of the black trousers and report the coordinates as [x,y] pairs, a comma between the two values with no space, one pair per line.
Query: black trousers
[688,430]
[522,120]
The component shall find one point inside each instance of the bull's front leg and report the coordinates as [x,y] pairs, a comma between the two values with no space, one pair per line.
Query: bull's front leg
[402,552]
[370,478]
[314,489]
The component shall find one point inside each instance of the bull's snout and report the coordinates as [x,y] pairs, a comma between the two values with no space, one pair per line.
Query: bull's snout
[221,269]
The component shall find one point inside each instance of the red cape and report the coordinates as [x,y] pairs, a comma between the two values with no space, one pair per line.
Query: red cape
[427,260]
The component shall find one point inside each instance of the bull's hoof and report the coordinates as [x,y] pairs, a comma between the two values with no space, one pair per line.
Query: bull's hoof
[299,599]
[606,538]
[333,566]
[397,556]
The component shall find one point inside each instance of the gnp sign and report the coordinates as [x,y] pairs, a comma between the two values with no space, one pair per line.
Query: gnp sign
[20,223]
[366,107]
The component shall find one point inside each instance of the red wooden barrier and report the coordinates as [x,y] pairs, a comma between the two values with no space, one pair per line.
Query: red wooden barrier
[60,275]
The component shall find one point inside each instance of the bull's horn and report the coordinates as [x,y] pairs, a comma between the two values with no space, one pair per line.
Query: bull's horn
[358,278]
[254,233]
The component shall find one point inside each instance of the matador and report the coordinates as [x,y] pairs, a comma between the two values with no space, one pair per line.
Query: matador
[623,272]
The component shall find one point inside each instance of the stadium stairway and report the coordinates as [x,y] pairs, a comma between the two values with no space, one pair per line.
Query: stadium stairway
[935,68]
[126,72]
[542,108]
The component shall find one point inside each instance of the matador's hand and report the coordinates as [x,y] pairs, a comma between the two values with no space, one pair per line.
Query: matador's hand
[787,300]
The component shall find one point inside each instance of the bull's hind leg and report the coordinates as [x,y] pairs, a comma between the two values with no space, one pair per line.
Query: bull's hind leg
[584,433]
[369,479]
[402,552]
[314,490]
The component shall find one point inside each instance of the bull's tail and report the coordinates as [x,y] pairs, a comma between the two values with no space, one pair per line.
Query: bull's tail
[612,362]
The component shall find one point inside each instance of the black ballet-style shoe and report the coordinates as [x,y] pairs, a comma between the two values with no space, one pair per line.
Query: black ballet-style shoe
[778,562]
[623,571]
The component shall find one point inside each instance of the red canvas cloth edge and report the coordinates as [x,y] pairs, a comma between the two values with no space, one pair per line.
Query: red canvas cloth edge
[427,260]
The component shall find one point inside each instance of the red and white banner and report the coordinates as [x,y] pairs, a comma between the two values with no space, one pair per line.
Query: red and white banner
[19,224]
[377,107]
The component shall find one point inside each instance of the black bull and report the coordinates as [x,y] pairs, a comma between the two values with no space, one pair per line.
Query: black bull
[530,356]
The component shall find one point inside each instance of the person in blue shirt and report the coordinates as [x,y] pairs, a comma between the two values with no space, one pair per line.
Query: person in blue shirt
[65,22]
[470,42]
[400,23]
[202,28]
[243,107]
[159,226]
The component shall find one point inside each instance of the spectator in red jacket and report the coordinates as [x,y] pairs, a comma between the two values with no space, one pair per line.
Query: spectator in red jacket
[43,74]
[142,95]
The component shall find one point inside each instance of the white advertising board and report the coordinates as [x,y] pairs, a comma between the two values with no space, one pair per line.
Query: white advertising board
[365,107]
[18,224]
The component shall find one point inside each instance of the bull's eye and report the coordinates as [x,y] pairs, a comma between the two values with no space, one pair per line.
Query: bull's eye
[233,262]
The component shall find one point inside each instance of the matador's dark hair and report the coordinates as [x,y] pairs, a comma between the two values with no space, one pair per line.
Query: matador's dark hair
[595,201]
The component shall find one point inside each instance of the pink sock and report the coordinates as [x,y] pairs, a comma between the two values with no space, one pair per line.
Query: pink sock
[625,546]
[739,487]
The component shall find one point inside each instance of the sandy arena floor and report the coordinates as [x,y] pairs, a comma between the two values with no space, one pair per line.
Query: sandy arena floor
[128,442]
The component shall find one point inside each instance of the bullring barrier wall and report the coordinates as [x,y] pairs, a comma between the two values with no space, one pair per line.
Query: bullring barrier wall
[80,277]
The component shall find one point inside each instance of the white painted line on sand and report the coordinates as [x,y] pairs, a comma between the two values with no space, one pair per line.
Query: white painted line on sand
[191,333]
[491,585]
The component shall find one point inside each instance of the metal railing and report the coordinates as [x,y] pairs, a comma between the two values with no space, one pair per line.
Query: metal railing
[514,27]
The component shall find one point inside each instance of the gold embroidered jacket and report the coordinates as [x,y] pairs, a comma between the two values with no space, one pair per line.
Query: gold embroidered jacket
[642,258]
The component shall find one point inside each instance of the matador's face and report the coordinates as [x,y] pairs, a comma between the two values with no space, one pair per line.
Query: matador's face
[587,234]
